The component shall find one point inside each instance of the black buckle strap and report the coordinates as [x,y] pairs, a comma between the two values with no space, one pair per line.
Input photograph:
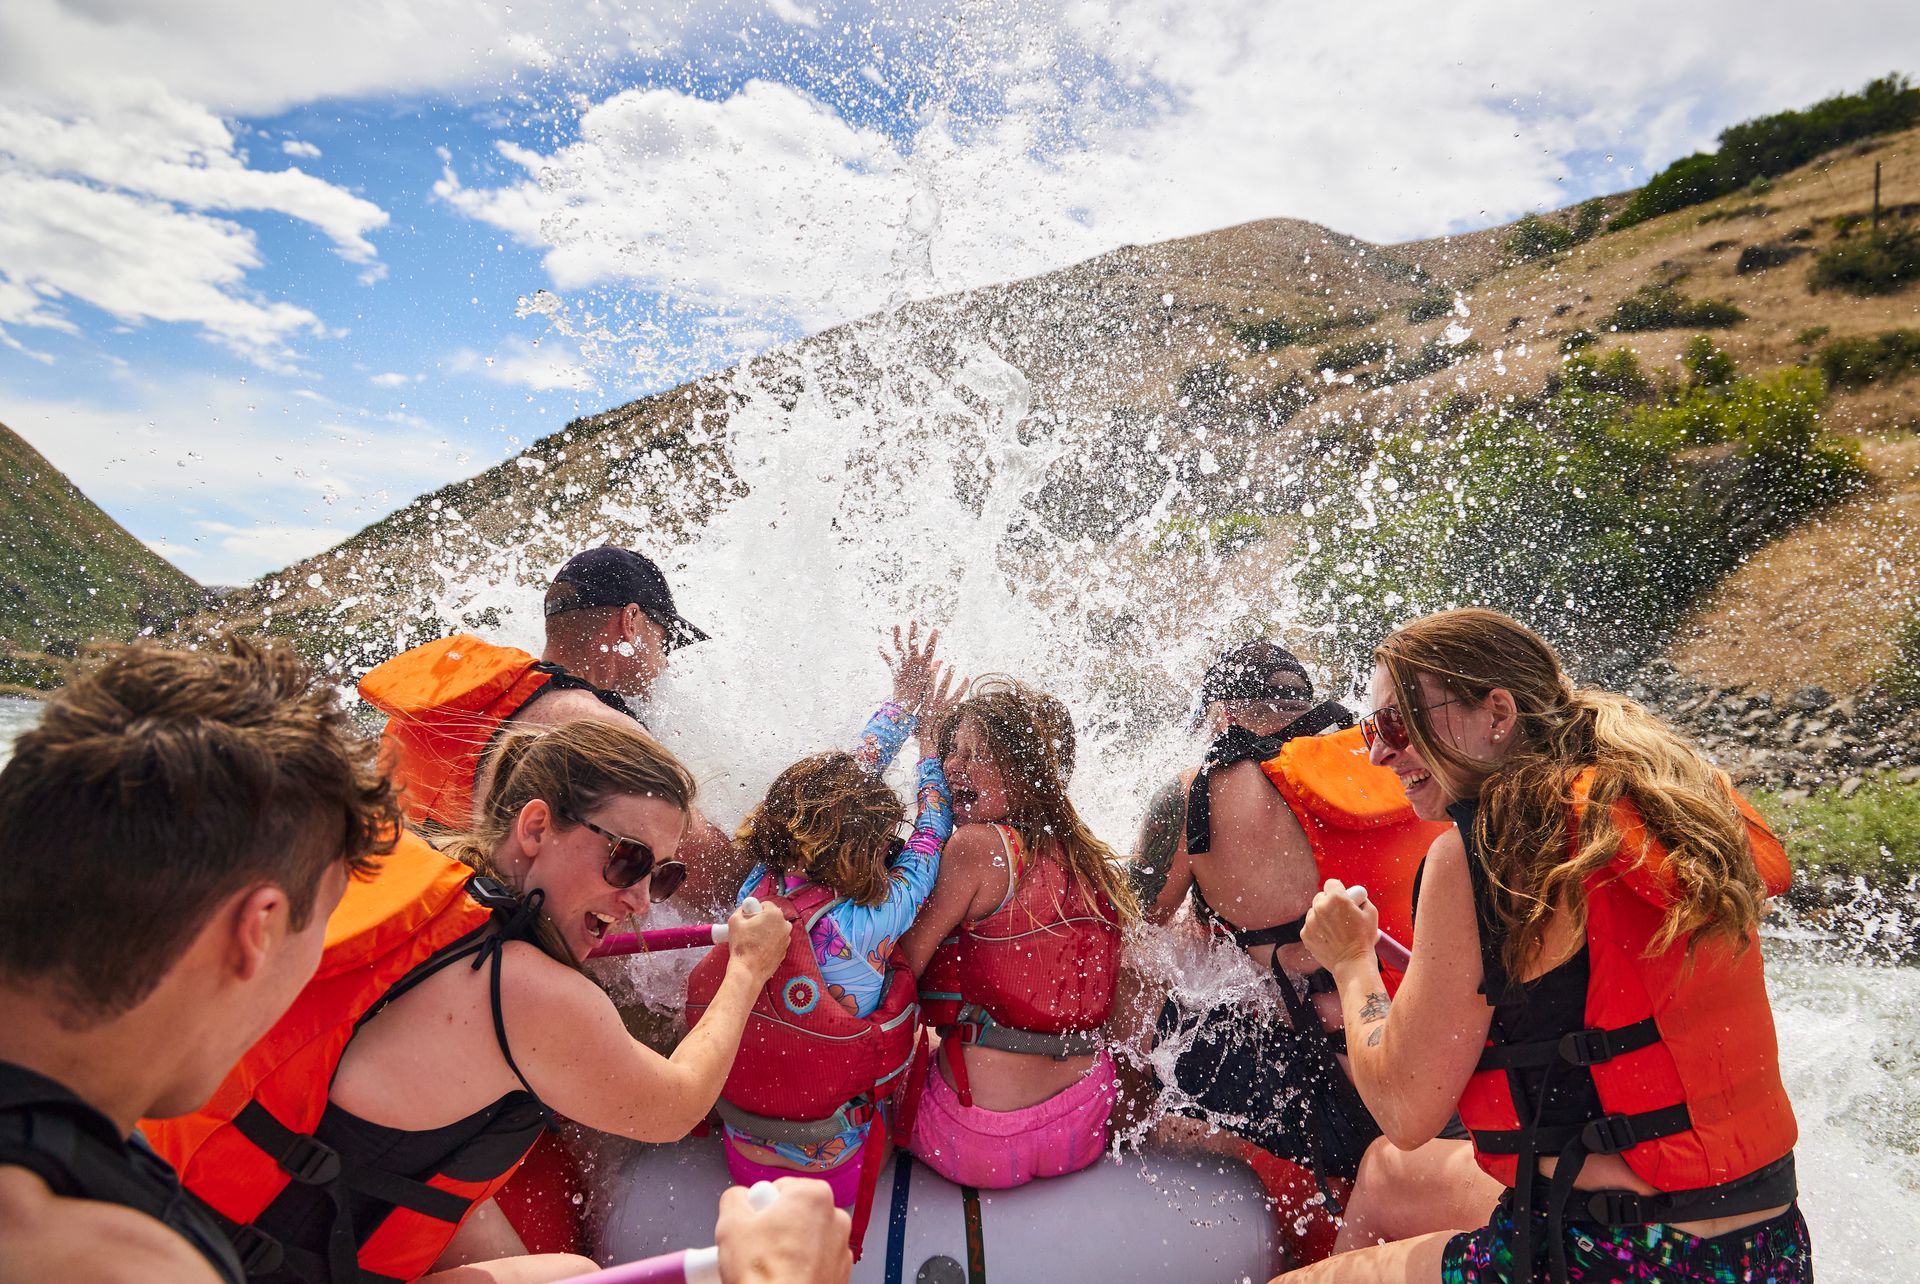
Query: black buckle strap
[1590,1047]
[307,1161]
[260,1253]
[1613,1134]
[1596,1047]
[1768,1187]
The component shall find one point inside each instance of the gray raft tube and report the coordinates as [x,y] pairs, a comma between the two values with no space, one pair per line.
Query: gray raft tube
[1144,1218]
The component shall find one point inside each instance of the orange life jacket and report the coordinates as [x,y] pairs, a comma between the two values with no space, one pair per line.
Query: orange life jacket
[1680,1045]
[1359,826]
[1036,976]
[253,1140]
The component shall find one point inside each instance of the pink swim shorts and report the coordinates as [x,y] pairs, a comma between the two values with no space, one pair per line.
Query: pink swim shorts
[999,1149]
[843,1178]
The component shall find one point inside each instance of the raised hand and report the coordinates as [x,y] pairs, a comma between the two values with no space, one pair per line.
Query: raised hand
[913,667]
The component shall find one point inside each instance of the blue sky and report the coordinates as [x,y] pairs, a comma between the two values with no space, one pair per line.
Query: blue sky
[269,270]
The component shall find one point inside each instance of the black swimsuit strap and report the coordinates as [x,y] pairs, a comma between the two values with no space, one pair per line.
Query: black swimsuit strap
[1237,745]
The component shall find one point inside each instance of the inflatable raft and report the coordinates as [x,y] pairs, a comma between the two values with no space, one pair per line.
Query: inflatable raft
[1143,1218]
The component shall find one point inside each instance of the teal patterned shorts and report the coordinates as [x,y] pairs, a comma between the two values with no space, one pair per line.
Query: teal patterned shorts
[1776,1251]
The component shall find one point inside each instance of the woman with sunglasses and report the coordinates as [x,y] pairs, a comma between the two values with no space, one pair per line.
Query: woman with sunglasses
[838,1020]
[1586,986]
[442,1077]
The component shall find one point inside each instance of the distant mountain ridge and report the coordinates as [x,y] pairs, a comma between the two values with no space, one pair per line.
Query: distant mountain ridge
[70,573]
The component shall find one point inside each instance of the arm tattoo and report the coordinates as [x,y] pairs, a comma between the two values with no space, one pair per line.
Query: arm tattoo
[1160,837]
[1373,1011]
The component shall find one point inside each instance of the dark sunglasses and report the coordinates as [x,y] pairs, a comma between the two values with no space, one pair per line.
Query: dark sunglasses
[629,860]
[1386,723]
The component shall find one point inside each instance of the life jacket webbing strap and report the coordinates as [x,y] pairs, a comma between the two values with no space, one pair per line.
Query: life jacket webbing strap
[873,1155]
[976,1025]
[1240,745]
[797,1132]
[1590,1047]
[1607,1135]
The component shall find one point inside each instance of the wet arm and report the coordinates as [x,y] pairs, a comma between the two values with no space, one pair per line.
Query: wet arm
[1161,870]
[881,738]
[913,874]
[578,1057]
[1413,1054]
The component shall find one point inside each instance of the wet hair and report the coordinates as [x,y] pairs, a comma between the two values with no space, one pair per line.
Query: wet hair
[1029,735]
[158,784]
[573,768]
[831,820]
[1527,797]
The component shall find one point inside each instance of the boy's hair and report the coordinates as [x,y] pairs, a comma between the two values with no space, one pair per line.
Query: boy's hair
[156,785]
[830,819]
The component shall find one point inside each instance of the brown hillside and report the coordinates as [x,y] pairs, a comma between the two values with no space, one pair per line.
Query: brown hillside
[1148,343]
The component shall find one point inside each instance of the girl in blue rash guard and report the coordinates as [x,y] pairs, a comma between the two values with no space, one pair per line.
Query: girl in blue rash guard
[816,826]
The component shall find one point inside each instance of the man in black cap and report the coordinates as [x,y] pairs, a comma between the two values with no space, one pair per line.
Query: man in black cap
[611,625]
[1223,836]
[611,622]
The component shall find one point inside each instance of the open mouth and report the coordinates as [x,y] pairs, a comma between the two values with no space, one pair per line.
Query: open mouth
[964,797]
[1414,778]
[598,923]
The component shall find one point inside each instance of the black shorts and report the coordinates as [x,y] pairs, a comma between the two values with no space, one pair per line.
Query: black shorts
[1278,1087]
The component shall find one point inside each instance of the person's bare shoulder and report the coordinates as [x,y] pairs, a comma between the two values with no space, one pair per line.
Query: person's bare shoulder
[44,1236]
[571,704]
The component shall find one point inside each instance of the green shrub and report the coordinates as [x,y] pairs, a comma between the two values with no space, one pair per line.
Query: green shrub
[1591,520]
[1590,219]
[1429,357]
[1758,258]
[1661,307]
[1534,237]
[1429,306]
[1857,360]
[1902,680]
[1707,366]
[1867,265]
[1579,339]
[1752,209]
[1874,831]
[1812,335]
[1221,535]
[1772,145]
[1281,332]
[1345,356]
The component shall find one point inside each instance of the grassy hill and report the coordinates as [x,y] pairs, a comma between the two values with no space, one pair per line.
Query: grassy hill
[1294,359]
[72,574]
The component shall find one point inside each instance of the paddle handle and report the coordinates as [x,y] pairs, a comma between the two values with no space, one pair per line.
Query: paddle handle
[655,939]
[688,1266]
[1389,951]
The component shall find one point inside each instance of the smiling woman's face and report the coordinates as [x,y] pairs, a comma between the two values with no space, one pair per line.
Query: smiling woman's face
[979,786]
[1475,730]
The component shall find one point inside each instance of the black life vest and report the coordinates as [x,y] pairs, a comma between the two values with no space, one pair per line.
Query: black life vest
[79,1154]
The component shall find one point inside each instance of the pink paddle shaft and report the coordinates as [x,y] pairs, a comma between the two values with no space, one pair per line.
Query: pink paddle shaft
[1390,951]
[656,939]
[688,1266]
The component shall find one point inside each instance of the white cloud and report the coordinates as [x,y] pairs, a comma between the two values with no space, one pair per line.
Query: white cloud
[797,14]
[390,379]
[544,368]
[1141,121]
[111,202]
[248,474]
[295,147]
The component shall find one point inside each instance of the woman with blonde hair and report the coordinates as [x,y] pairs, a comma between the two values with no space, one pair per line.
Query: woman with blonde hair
[367,1133]
[1586,985]
[1018,952]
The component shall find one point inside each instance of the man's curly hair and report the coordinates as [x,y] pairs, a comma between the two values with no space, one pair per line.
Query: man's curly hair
[830,820]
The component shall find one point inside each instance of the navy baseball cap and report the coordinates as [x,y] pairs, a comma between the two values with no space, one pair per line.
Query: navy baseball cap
[1256,671]
[620,577]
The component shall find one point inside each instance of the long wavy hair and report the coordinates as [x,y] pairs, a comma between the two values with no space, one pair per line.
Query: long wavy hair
[1029,736]
[831,820]
[1527,797]
[573,768]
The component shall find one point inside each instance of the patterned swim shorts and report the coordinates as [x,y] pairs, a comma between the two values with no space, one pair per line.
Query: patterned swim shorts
[1776,1251]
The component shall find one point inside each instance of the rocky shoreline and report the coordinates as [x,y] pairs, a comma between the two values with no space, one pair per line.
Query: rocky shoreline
[1791,745]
